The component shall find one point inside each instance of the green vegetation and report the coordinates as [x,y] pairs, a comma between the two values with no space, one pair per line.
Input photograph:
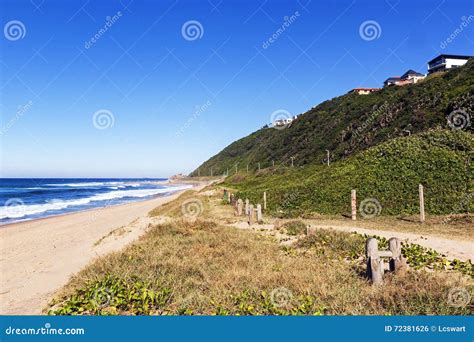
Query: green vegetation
[294,228]
[389,173]
[352,123]
[193,268]
[110,295]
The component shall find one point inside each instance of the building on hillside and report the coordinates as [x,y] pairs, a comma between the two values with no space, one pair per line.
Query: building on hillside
[409,77]
[363,91]
[394,80]
[446,62]
[285,121]
[282,122]
[412,76]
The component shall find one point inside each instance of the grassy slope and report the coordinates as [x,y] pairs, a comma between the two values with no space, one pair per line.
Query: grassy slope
[441,160]
[351,123]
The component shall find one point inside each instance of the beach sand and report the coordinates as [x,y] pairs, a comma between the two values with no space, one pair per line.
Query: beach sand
[38,257]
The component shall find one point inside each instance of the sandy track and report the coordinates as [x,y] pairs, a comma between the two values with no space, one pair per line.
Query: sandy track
[462,250]
[38,257]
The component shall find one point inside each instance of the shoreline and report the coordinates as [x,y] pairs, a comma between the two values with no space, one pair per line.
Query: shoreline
[161,195]
[154,197]
[39,256]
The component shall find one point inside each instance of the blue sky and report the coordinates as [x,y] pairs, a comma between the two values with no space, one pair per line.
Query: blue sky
[165,99]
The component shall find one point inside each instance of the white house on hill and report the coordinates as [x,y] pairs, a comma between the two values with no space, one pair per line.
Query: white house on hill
[409,77]
[446,62]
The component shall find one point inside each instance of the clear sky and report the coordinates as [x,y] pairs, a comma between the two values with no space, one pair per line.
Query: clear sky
[167,84]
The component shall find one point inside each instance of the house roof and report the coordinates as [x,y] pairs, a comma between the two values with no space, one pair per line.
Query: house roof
[411,72]
[365,89]
[393,78]
[449,56]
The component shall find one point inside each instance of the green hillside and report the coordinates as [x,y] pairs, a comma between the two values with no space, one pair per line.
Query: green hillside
[352,123]
[389,173]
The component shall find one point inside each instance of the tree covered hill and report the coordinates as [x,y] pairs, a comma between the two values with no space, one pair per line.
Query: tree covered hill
[352,123]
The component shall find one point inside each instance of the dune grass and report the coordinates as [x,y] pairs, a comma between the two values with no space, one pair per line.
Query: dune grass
[202,268]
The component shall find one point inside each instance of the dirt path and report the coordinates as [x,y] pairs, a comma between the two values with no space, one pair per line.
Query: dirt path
[38,257]
[453,249]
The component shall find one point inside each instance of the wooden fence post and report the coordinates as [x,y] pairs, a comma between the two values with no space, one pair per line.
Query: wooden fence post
[251,214]
[354,205]
[264,200]
[397,262]
[273,163]
[247,167]
[259,213]
[240,204]
[246,206]
[374,263]
[422,203]
[258,166]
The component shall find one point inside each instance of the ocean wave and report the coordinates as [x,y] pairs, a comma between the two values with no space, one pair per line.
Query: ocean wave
[19,211]
[86,184]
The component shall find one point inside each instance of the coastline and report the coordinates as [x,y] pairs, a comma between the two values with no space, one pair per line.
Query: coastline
[39,256]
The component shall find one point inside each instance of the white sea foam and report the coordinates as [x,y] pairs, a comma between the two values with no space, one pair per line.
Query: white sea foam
[19,211]
[94,184]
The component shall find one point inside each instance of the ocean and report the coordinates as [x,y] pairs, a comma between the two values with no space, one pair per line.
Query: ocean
[31,198]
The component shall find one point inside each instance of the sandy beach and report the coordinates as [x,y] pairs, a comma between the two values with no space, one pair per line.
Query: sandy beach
[38,257]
